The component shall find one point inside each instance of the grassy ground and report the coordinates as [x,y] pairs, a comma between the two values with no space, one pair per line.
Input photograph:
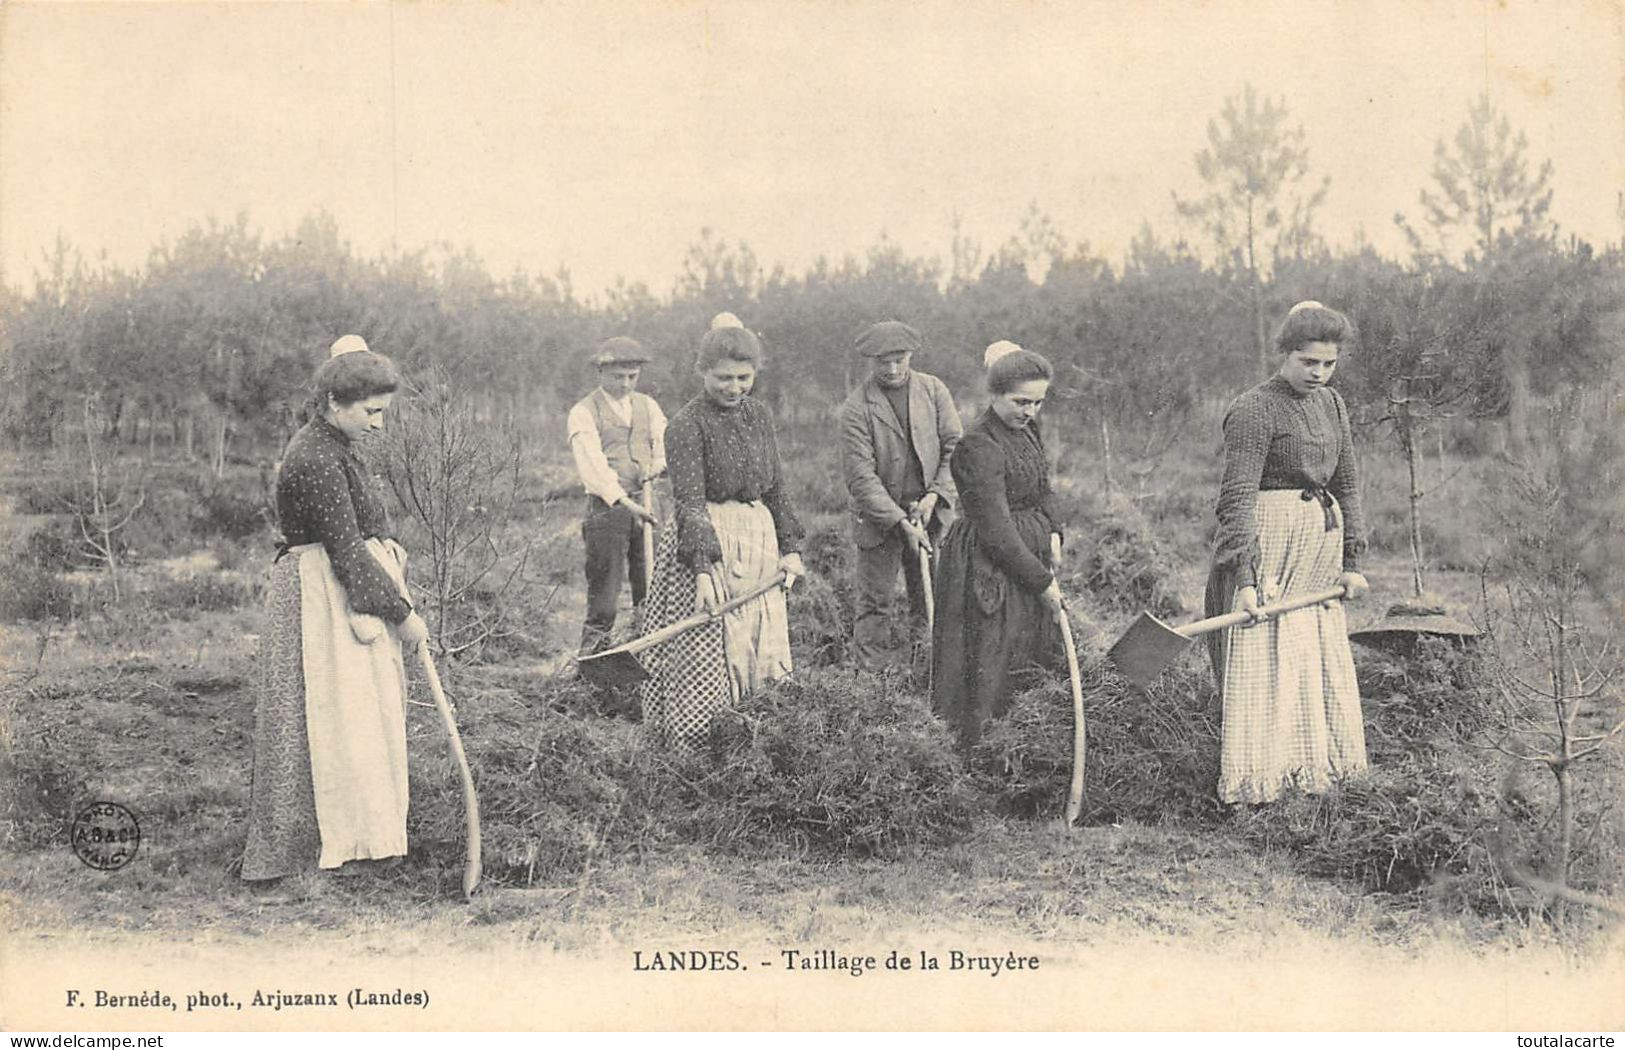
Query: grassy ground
[149,701]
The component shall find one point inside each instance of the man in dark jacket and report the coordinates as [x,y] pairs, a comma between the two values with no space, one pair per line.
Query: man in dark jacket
[897,431]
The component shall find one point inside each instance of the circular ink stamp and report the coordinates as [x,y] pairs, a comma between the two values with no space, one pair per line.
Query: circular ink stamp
[105,836]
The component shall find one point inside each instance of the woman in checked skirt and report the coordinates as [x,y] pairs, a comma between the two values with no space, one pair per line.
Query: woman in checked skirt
[735,532]
[1289,524]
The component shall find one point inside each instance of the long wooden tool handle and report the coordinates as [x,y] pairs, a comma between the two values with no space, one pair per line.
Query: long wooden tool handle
[648,539]
[472,866]
[930,594]
[637,645]
[1074,792]
[1232,619]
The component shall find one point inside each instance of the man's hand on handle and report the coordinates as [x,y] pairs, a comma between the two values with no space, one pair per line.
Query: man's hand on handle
[639,511]
[915,534]
[921,510]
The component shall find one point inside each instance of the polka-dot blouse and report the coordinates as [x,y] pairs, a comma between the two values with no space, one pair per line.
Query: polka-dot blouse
[716,455]
[324,494]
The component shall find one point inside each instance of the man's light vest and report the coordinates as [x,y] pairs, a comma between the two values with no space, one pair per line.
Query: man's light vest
[627,446]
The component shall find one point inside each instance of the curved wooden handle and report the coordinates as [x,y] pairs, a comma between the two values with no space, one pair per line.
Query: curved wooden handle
[929,591]
[1074,793]
[472,866]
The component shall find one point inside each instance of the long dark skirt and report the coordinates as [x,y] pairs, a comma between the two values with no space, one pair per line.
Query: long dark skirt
[283,836]
[993,639]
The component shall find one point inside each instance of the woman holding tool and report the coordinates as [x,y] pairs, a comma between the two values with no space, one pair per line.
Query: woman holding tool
[1289,524]
[998,602]
[329,783]
[736,533]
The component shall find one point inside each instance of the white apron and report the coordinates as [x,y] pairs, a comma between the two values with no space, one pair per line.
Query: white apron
[355,712]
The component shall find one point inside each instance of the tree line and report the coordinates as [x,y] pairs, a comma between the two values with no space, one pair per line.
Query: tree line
[207,348]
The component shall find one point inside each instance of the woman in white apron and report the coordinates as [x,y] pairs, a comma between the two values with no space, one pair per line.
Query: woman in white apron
[330,726]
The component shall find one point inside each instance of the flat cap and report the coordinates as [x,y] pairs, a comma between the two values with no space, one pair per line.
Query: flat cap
[620,350]
[887,337]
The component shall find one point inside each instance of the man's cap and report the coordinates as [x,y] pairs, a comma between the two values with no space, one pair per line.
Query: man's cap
[620,350]
[887,337]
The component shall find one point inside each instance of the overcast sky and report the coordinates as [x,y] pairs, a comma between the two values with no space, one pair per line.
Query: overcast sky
[604,136]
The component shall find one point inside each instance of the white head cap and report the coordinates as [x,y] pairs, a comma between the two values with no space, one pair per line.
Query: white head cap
[1002,348]
[725,320]
[1307,304]
[347,344]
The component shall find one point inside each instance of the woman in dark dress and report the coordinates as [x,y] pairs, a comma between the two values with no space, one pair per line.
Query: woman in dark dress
[1289,524]
[997,597]
[329,725]
[735,531]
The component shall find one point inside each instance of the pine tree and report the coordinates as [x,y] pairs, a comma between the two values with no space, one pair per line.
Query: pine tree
[1260,198]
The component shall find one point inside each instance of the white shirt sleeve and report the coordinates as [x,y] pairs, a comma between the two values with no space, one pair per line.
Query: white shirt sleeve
[596,475]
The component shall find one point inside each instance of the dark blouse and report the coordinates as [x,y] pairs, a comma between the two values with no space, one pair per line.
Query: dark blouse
[325,495]
[1276,438]
[1004,491]
[715,455]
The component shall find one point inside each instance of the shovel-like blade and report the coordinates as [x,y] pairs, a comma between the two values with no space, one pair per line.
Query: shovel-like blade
[1146,649]
[614,667]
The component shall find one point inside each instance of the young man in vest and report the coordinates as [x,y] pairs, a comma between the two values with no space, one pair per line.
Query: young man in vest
[618,440]
[897,431]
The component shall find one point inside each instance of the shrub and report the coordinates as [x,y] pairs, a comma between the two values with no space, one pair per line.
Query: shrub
[833,764]
[1115,552]
[1435,692]
[1151,756]
[837,763]
[232,509]
[1412,821]
[164,522]
[821,606]
[30,591]
[556,790]
[55,545]
[1430,815]
[44,496]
